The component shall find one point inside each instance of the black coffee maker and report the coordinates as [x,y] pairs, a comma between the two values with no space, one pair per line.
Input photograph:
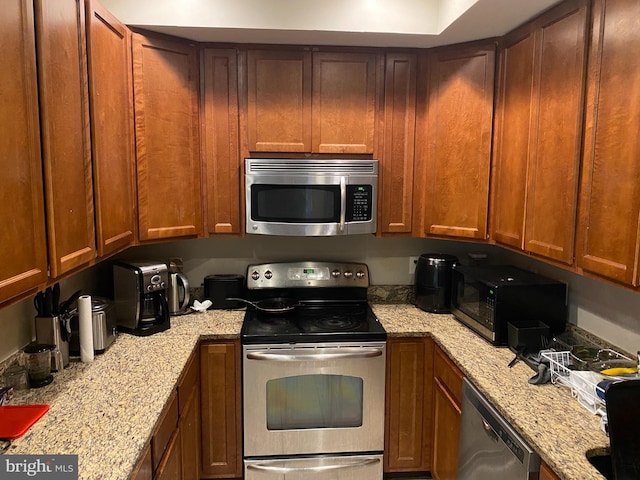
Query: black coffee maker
[140,295]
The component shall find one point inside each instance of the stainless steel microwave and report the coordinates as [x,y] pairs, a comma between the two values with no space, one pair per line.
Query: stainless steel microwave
[487,298]
[311,197]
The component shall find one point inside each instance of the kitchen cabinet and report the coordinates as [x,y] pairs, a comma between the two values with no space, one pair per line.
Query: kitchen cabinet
[396,162]
[221,404]
[546,473]
[144,469]
[66,148]
[279,100]
[189,419]
[454,142]
[609,229]
[221,142]
[23,237]
[447,403]
[319,102]
[112,142]
[165,83]
[408,425]
[539,132]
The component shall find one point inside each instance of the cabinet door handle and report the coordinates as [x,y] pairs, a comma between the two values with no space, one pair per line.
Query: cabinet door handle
[319,468]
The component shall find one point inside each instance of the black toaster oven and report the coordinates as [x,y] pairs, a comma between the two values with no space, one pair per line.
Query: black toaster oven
[487,298]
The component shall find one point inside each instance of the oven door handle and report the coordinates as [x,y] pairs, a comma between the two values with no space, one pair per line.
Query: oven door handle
[320,468]
[344,353]
[343,203]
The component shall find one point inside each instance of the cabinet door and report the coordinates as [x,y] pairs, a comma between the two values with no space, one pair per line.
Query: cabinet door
[458,132]
[165,79]
[111,100]
[189,427]
[539,132]
[221,141]
[546,473]
[22,237]
[396,163]
[279,101]
[346,93]
[221,404]
[610,201]
[144,468]
[66,149]
[170,467]
[408,405]
[447,399]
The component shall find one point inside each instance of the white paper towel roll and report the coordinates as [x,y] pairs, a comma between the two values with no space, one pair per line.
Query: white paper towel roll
[85,327]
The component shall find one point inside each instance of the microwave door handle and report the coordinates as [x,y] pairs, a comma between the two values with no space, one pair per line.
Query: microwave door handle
[343,203]
[320,468]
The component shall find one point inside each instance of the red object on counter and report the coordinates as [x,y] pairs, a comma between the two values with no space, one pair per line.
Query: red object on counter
[15,420]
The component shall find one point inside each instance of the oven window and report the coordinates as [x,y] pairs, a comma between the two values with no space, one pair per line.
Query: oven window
[295,203]
[314,401]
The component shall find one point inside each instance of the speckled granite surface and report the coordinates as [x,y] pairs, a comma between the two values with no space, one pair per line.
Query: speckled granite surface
[105,411]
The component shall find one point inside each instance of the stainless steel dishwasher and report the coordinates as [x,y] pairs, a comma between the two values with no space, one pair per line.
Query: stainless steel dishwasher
[490,448]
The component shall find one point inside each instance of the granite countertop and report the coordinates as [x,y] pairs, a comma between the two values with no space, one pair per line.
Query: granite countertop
[105,411]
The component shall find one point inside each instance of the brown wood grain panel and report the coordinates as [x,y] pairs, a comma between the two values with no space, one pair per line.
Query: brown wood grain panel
[408,405]
[546,473]
[221,410]
[22,238]
[65,134]
[396,164]
[170,467]
[610,190]
[221,147]
[346,87]
[511,140]
[189,427]
[556,137]
[165,79]
[165,430]
[144,468]
[459,125]
[112,142]
[279,100]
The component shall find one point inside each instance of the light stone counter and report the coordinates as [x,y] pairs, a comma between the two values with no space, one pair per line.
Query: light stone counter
[105,411]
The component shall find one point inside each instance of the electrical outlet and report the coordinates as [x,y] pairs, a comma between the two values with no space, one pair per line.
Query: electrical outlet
[413,261]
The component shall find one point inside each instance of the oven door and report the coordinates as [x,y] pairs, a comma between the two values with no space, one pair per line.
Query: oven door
[352,467]
[313,398]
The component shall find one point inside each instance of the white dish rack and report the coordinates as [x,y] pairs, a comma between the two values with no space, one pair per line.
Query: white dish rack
[584,384]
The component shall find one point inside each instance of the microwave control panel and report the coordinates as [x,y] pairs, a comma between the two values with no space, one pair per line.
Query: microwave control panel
[359,199]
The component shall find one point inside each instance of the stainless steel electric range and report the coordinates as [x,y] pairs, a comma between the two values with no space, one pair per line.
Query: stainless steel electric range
[313,374]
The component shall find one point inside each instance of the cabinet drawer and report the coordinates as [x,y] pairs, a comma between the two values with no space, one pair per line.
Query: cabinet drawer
[448,375]
[166,427]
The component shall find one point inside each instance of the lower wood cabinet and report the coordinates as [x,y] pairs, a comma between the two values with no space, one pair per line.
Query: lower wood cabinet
[407,445]
[447,401]
[546,473]
[221,403]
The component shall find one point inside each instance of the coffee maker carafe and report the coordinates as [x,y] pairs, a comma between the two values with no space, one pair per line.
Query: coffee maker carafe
[140,295]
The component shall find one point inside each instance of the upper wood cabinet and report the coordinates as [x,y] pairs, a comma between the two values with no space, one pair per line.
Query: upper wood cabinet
[112,147]
[66,149]
[610,192]
[22,238]
[538,137]
[408,417]
[320,102]
[398,150]
[165,82]
[221,142]
[454,142]
[279,100]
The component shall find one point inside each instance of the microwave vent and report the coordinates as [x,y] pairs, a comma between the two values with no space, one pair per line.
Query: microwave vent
[313,166]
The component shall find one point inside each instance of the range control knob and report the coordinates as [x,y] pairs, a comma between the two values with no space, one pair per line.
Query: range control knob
[360,274]
[255,275]
[348,274]
[268,274]
[335,273]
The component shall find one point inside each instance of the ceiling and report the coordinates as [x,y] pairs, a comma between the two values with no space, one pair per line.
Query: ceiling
[377,23]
